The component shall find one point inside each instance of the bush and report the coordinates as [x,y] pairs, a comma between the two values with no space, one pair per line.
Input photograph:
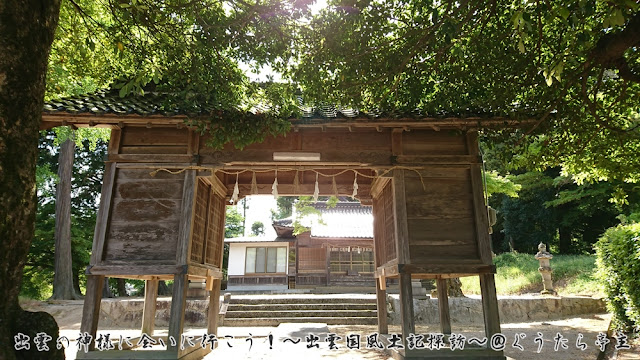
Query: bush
[618,261]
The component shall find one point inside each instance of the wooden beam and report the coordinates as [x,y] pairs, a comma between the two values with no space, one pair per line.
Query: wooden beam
[489,305]
[407,318]
[443,306]
[91,308]
[104,212]
[178,305]
[437,159]
[480,215]
[114,141]
[445,268]
[288,189]
[151,158]
[149,310]
[133,269]
[400,211]
[381,297]
[186,218]
[214,305]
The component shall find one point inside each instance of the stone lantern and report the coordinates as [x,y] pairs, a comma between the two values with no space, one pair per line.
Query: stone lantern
[543,256]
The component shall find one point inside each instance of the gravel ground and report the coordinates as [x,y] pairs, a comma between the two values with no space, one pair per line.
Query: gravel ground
[258,345]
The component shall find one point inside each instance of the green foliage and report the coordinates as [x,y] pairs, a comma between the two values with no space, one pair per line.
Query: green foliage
[257,228]
[87,180]
[555,210]
[233,226]
[517,273]
[284,205]
[618,263]
[549,62]
[497,184]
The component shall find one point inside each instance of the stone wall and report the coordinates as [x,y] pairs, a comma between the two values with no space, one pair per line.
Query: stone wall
[468,310]
[127,313]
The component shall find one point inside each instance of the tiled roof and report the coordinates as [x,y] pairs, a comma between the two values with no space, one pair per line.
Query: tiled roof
[251,239]
[109,102]
[345,220]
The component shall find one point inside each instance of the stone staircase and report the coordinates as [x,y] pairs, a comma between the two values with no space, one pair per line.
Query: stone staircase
[272,311]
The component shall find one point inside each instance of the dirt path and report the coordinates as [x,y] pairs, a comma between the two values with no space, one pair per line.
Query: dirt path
[68,314]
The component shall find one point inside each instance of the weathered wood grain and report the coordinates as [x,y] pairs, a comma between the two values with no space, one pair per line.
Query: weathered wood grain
[443,307]
[149,310]
[442,232]
[439,207]
[419,142]
[157,136]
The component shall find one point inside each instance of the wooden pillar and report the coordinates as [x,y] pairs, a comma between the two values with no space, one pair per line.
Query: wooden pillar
[406,307]
[178,305]
[489,305]
[213,285]
[91,309]
[381,296]
[150,301]
[328,261]
[443,306]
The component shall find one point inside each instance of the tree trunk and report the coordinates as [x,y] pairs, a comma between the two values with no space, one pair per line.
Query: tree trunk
[63,279]
[454,287]
[564,246]
[26,33]
[106,289]
[163,289]
[76,283]
[121,287]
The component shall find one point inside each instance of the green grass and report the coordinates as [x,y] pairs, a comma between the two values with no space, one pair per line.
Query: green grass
[518,274]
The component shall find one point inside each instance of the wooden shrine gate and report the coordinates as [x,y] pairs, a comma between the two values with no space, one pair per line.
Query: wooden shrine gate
[162,209]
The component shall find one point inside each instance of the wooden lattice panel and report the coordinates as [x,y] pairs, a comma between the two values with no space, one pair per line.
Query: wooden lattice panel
[199,221]
[312,259]
[215,230]
[384,226]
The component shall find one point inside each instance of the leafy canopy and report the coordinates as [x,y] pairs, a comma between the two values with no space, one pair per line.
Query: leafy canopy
[569,67]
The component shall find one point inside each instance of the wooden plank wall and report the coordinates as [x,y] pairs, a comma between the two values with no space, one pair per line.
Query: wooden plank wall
[440,207]
[145,214]
[440,217]
[157,140]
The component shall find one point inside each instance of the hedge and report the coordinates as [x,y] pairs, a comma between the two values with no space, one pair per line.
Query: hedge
[618,262]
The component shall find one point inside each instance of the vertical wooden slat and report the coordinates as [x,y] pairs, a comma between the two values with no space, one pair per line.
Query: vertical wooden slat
[186,218]
[102,220]
[396,141]
[381,297]
[406,307]
[400,215]
[91,308]
[328,264]
[480,215]
[178,305]
[214,307]
[149,310]
[443,306]
[114,141]
[489,305]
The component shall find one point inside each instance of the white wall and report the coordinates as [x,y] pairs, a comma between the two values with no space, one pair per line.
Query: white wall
[238,251]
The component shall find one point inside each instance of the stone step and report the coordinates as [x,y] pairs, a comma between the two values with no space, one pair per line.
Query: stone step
[317,307]
[279,320]
[300,314]
[301,300]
